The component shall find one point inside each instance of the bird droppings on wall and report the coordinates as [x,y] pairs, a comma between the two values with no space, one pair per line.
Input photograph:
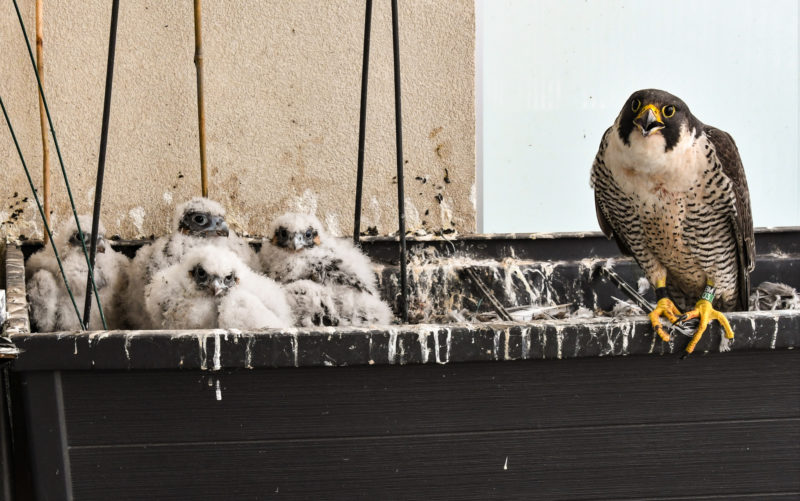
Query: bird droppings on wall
[137,218]
[305,203]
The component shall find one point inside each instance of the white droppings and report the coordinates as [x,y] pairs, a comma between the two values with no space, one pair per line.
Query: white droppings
[168,198]
[505,465]
[203,356]
[295,351]
[218,390]
[306,203]
[332,223]
[392,345]
[248,353]
[497,335]
[128,347]
[449,343]
[559,339]
[526,342]
[75,351]
[473,196]
[425,352]
[626,335]
[437,349]
[137,216]
[543,342]
[506,354]
[445,212]
[774,340]
[653,342]
[217,351]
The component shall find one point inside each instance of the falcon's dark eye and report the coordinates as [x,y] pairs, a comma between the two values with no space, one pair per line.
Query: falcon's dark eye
[200,273]
[229,280]
[200,219]
[635,105]
[308,233]
[668,111]
[284,233]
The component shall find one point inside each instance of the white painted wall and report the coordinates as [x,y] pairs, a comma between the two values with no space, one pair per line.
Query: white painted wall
[553,75]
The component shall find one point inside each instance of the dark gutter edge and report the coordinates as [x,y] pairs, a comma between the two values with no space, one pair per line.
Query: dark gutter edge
[219,349]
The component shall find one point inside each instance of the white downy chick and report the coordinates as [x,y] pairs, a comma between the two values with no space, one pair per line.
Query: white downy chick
[312,304]
[49,301]
[198,222]
[300,250]
[212,288]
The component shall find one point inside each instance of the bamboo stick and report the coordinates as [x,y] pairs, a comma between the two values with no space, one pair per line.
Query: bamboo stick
[42,117]
[201,112]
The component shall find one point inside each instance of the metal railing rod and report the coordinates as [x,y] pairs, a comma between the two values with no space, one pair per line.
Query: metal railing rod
[398,118]
[101,161]
[362,122]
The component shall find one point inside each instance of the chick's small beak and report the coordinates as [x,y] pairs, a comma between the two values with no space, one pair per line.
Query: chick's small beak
[101,244]
[219,287]
[298,242]
[649,120]
[220,227]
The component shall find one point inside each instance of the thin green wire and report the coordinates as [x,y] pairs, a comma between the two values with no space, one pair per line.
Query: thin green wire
[63,171]
[41,212]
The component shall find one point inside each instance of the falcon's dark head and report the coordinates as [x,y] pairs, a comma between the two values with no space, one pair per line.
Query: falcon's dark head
[201,217]
[295,232]
[653,113]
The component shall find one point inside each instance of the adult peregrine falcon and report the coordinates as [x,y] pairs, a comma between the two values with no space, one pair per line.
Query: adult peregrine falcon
[673,193]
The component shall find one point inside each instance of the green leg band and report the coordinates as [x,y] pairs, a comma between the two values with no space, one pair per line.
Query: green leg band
[708,293]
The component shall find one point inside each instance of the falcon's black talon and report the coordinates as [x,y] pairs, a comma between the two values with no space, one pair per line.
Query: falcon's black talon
[685,355]
[680,319]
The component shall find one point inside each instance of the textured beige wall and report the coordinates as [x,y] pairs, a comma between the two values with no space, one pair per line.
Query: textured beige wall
[282,97]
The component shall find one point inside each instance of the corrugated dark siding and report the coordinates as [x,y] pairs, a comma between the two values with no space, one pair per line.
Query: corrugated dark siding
[639,427]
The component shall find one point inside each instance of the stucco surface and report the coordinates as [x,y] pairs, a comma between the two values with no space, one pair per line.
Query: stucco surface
[282,98]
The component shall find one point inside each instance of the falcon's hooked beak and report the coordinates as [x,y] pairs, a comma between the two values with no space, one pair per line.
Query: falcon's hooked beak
[101,244]
[298,242]
[218,227]
[219,287]
[649,120]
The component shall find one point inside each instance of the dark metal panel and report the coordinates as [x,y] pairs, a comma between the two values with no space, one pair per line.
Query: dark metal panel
[539,246]
[608,462]
[407,344]
[106,408]
[47,435]
[6,446]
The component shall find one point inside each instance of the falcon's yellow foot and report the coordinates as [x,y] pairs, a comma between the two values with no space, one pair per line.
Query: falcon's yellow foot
[706,313]
[664,308]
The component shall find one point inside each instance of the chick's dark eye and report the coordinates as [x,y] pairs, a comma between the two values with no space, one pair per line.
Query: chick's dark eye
[668,111]
[308,233]
[200,219]
[200,272]
[635,105]
[229,280]
[284,233]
